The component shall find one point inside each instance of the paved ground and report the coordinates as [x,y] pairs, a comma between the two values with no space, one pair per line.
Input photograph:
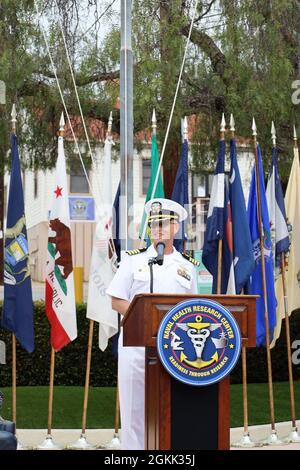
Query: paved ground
[31,438]
[259,434]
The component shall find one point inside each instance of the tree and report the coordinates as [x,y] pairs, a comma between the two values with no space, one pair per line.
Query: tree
[243,58]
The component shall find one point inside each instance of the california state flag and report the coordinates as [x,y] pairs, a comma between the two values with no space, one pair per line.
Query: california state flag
[60,298]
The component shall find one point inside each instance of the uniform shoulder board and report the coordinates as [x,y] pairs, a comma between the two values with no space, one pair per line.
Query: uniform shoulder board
[135,252]
[189,258]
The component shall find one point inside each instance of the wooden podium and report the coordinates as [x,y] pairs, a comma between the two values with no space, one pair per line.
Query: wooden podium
[180,416]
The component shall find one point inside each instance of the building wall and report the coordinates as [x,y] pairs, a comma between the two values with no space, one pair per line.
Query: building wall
[37,210]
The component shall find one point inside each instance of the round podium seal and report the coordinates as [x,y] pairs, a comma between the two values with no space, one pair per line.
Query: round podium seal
[198,342]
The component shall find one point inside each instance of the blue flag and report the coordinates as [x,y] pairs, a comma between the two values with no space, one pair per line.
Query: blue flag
[18,307]
[180,193]
[116,223]
[117,243]
[242,245]
[256,283]
[277,215]
[219,227]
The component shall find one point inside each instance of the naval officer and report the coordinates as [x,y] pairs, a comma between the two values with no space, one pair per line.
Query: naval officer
[177,275]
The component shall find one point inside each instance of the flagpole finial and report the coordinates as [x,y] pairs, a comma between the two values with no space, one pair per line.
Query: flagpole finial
[154,122]
[185,128]
[273,134]
[254,128]
[295,133]
[223,125]
[62,125]
[13,118]
[109,126]
[232,123]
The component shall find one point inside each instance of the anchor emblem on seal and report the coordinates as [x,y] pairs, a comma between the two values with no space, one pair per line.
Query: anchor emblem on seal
[198,332]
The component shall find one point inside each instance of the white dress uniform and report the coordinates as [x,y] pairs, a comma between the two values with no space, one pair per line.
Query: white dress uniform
[177,275]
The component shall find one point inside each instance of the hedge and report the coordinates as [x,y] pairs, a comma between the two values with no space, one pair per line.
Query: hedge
[33,369]
[70,362]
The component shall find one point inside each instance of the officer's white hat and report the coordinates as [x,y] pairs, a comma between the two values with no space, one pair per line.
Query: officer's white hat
[164,209]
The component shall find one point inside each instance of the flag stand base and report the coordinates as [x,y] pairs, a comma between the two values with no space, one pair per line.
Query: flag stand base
[48,444]
[246,441]
[81,444]
[20,446]
[272,440]
[293,436]
[115,443]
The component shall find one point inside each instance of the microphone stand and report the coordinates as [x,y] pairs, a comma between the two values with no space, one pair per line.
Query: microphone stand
[158,260]
[151,262]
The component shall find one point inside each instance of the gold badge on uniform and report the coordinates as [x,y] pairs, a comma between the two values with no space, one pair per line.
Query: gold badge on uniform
[181,271]
[156,207]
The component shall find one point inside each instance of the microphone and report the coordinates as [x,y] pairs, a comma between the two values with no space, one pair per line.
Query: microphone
[160,248]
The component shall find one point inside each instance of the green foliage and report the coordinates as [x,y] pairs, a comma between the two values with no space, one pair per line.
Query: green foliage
[257,358]
[70,362]
[245,64]
[67,407]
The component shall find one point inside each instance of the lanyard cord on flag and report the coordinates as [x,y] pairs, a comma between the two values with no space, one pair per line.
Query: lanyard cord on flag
[63,100]
[111,244]
[76,91]
[171,117]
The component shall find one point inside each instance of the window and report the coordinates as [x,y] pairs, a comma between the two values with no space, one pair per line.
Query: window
[146,175]
[78,181]
[202,185]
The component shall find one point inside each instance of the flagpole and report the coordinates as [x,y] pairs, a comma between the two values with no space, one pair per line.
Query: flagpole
[220,242]
[48,443]
[51,386]
[294,435]
[272,439]
[154,128]
[246,440]
[82,443]
[115,442]
[14,342]
[185,138]
[14,346]
[14,380]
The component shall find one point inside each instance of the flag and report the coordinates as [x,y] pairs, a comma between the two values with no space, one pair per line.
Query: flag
[242,245]
[60,298]
[279,229]
[117,244]
[219,227]
[103,263]
[17,314]
[292,198]
[180,193]
[116,223]
[159,190]
[256,282]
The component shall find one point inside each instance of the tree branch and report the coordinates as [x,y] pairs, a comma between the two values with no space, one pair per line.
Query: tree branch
[86,80]
[209,47]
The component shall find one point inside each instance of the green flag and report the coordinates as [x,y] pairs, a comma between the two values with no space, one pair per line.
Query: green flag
[159,191]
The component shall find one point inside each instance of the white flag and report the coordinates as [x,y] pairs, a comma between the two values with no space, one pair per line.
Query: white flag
[60,297]
[103,264]
[292,206]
